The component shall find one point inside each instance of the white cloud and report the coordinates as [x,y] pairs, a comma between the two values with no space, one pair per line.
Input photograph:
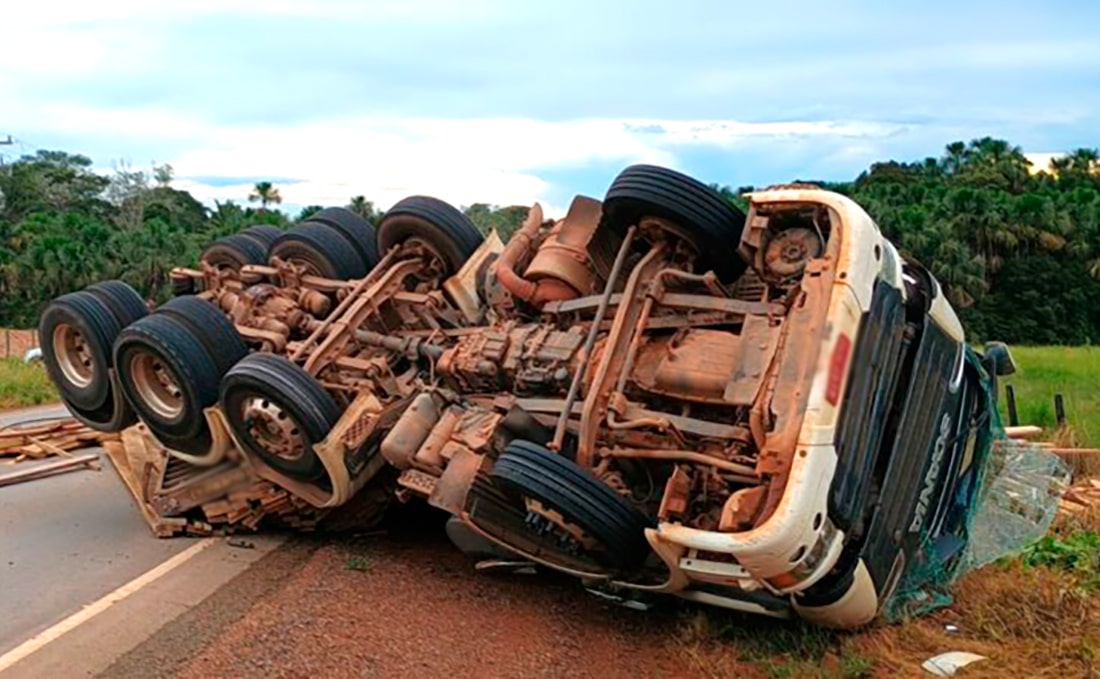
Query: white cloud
[385,158]
[462,161]
[1041,161]
[392,108]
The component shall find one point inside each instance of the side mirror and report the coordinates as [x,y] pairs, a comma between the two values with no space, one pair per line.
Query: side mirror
[998,360]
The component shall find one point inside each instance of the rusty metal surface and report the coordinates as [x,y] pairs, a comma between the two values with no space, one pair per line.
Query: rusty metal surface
[751,359]
[691,364]
[563,254]
[684,394]
[614,355]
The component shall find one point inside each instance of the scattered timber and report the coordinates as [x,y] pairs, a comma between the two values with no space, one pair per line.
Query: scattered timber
[1081,496]
[87,460]
[50,438]
[179,498]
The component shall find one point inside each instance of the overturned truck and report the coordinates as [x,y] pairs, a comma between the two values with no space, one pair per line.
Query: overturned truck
[657,393]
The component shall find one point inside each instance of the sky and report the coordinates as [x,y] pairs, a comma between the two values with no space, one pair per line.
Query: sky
[512,101]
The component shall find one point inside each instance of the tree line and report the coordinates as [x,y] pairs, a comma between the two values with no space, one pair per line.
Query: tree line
[1016,247]
[1018,251]
[64,226]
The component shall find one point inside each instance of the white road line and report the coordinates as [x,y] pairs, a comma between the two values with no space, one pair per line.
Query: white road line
[93,609]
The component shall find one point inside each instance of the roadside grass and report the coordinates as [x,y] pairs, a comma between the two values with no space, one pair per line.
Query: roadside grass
[1034,615]
[24,384]
[718,643]
[1028,621]
[1073,372]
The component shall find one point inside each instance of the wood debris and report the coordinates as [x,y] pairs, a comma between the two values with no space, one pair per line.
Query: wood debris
[179,498]
[1066,453]
[1025,431]
[1083,494]
[1080,496]
[89,460]
[49,438]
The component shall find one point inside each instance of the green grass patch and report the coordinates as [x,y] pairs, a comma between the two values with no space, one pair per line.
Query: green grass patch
[1073,372]
[780,649]
[23,384]
[359,562]
[1078,553]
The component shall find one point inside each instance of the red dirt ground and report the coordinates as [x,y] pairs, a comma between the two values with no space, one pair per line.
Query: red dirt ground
[418,609]
[389,606]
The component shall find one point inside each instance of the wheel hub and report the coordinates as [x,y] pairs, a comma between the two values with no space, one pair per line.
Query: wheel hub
[788,252]
[548,522]
[273,429]
[156,385]
[73,355]
[434,267]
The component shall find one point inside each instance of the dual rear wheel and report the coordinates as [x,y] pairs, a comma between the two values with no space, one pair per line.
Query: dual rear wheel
[77,331]
[188,357]
[170,366]
[174,364]
[339,244]
[250,246]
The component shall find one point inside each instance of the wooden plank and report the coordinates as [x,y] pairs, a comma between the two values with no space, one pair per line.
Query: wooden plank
[1025,431]
[52,447]
[1074,452]
[48,469]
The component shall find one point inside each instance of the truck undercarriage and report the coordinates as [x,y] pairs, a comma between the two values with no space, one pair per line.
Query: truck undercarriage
[643,393]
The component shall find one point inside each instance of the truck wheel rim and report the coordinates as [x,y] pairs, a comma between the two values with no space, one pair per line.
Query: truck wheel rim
[156,386]
[310,267]
[74,357]
[273,429]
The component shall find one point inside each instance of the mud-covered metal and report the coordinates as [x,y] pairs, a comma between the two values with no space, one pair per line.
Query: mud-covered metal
[739,424]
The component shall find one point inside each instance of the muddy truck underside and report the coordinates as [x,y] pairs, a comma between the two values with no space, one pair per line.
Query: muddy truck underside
[645,393]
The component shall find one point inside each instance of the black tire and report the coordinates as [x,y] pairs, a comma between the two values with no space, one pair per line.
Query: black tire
[707,219]
[110,417]
[212,327]
[174,345]
[561,484]
[124,301]
[439,224]
[82,377]
[233,252]
[182,286]
[296,394]
[263,234]
[321,249]
[359,232]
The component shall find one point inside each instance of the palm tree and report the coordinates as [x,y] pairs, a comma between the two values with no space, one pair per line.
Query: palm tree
[1087,161]
[266,193]
[1000,159]
[956,154]
[363,207]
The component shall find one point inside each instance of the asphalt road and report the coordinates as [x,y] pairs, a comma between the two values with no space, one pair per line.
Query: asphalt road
[66,541]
